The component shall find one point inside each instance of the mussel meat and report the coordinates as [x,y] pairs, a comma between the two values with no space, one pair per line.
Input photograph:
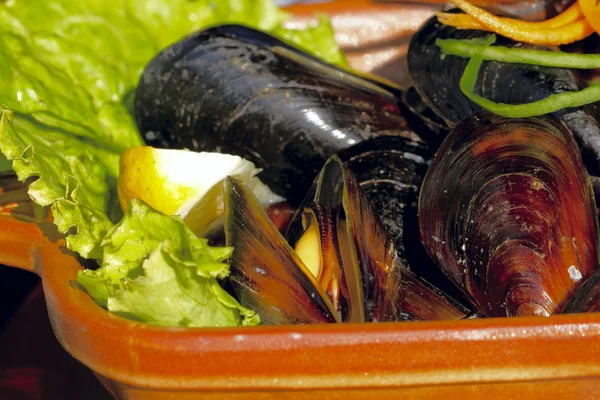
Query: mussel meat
[240,91]
[436,77]
[508,212]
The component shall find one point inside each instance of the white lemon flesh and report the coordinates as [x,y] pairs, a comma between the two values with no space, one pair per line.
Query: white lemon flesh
[186,183]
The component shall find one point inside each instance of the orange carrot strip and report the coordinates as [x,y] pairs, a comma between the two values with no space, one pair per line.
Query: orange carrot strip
[572,14]
[547,36]
[591,11]
[461,21]
[464,21]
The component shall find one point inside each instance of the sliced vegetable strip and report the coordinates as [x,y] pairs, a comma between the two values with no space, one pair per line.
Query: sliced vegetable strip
[461,21]
[559,59]
[546,36]
[548,105]
[466,21]
[591,11]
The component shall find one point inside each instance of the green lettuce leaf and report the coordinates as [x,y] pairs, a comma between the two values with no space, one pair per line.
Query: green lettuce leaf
[170,293]
[318,40]
[68,69]
[73,179]
[156,270]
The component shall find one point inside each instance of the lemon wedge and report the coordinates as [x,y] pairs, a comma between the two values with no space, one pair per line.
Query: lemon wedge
[186,183]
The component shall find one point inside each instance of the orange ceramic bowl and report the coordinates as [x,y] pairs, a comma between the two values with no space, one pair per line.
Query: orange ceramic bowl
[556,357]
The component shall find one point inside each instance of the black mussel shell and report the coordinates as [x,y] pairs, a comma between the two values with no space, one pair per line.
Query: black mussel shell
[266,274]
[508,211]
[425,120]
[357,279]
[390,171]
[236,90]
[437,77]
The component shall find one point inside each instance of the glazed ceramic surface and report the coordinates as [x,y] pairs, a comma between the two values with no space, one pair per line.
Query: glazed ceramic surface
[141,361]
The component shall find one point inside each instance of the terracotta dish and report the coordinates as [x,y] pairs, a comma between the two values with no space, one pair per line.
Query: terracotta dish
[536,358]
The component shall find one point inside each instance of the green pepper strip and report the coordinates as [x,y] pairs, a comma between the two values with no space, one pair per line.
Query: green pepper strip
[548,105]
[560,59]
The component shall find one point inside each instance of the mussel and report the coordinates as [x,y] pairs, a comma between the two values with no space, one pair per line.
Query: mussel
[427,116]
[236,90]
[508,212]
[352,276]
[372,198]
[390,171]
[436,77]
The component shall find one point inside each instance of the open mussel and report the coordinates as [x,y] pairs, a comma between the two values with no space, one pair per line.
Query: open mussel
[390,171]
[437,78]
[236,90]
[508,212]
[351,275]
[359,216]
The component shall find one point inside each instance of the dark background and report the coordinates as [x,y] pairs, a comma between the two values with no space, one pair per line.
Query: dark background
[15,285]
[33,365]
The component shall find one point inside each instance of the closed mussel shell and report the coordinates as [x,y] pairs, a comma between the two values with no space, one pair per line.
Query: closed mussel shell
[507,210]
[437,76]
[237,90]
